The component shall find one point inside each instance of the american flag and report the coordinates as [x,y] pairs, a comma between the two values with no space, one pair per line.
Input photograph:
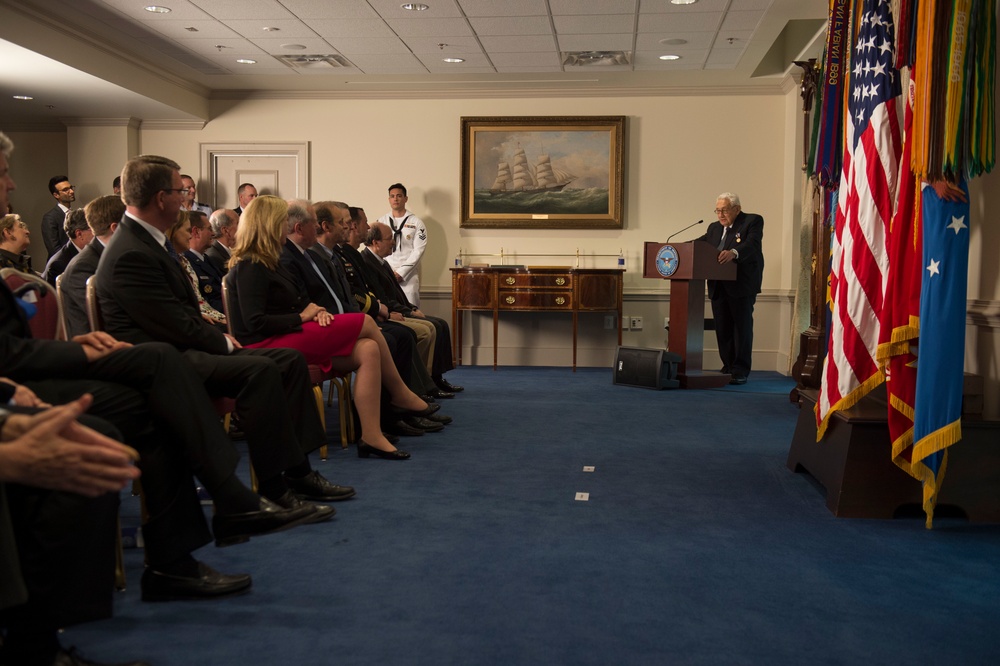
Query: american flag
[866,196]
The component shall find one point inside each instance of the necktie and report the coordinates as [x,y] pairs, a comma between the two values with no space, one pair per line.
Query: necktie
[722,241]
[340,306]
[171,251]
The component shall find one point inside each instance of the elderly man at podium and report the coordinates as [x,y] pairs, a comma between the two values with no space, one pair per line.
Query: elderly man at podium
[738,236]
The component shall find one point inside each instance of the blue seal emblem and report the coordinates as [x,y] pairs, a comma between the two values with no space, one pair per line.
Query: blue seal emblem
[666,261]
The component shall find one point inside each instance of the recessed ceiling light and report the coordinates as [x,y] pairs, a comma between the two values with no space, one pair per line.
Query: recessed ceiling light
[683,2]
[670,57]
[453,59]
[294,47]
[415,6]
[246,61]
[24,98]
[673,41]
[271,28]
[156,9]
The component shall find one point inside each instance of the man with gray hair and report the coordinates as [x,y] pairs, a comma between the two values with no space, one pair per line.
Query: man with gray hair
[79,234]
[223,223]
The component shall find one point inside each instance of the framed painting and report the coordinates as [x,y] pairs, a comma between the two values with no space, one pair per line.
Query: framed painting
[543,172]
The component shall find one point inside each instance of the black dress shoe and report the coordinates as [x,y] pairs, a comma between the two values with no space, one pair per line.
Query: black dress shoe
[235,528]
[314,487]
[439,418]
[445,385]
[427,398]
[424,424]
[426,411]
[439,394]
[208,584]
[321,512]
[365,450]
[71,657]
[400,427]
[738,379]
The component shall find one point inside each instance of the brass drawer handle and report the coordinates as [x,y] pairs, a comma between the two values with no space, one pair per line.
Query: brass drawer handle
[560,300]
[560,281]
[509,300]
[509,280]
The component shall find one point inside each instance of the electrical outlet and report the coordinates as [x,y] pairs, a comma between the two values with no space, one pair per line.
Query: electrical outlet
[609,322]
[636,323]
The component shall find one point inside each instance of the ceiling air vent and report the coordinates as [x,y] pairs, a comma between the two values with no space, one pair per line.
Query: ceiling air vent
[314,61]
[596,58]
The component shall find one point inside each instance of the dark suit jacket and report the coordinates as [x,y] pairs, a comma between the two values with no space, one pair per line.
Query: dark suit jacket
[299,267]
[209,279]
[218,254]
[335,274]
[74,287]
[137,281]
[360,279]
[745,237]
[59,261]
[388,290]
[53,233]
[264,302]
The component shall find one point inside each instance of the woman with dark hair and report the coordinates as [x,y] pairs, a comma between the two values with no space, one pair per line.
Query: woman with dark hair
[270,309]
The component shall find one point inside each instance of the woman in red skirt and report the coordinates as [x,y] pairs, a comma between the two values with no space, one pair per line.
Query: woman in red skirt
[269,308]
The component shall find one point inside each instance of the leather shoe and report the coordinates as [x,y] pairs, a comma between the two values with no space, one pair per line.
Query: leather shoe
[738,380]
[439,394]
[314,487]
[208,584]
[71,657]
[424,424]
[445,385]
[365,450]
[400,427]
[439,418]
[426,411]
[321,512]
[427,398]
[235,528]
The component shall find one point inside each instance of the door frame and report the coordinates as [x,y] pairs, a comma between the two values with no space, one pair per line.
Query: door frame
[212,152]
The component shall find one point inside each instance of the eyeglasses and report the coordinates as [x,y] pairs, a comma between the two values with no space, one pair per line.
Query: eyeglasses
[182,190]
[65,189]
[723,210]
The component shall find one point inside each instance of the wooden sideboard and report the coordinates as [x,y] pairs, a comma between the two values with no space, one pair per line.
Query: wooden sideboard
[540,289]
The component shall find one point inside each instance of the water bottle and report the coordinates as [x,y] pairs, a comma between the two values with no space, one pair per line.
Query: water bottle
[621,261]
[458,259]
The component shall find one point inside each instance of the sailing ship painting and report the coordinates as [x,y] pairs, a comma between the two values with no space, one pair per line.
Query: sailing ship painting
[542,173]
[523,178]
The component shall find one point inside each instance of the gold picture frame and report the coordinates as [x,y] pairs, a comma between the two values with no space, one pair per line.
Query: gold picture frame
[543,172]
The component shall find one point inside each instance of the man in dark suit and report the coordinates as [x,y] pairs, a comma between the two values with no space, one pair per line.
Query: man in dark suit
[246,193]
[145,295]
[223,223]
[102,216]
[53,233]
[737,235]
[209,276]
[379,246]
[79,235]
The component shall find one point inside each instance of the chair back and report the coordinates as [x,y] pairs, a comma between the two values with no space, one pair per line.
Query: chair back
[47,322]
[227,307]
[62,306]
[93,306]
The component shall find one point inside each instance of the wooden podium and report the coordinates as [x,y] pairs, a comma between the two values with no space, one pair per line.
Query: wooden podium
[687,266]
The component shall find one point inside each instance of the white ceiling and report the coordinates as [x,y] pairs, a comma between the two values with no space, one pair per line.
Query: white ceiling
[112,58]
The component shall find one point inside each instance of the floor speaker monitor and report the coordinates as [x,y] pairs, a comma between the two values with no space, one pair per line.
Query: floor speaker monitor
[646,368]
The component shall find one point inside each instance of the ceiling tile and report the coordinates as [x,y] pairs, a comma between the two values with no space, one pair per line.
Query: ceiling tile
[696,22]
[518,44]
[514,25]
[330,9]
[277,46]
[454,44]
[292,29]
[505,8]
[204,28]
[236,9]
[594,25]
[578,7]
[595,42]
[430,26]
[361,46]
[741,20]
[351,28]
[392,9]
[653,41]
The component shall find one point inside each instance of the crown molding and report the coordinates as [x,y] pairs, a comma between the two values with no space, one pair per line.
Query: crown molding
[195,125]
[131,123]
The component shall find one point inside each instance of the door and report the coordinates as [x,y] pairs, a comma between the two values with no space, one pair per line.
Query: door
[278,169]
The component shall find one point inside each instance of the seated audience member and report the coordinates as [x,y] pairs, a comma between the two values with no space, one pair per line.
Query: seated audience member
[333,220]
[224,223]
[180,235]
[189,197]
[58,520]
[53,233]
[246,193]
[102,215]
[145,296]
[271,310]
[14,241]
[379,247]
[116,186]
[79,235]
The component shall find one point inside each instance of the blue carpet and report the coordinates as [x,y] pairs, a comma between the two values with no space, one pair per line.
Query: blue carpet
[696,546]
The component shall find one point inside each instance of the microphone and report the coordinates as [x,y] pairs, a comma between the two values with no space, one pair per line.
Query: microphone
[684,229]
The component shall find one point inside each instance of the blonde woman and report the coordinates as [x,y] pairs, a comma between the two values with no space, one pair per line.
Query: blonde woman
[270,309]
